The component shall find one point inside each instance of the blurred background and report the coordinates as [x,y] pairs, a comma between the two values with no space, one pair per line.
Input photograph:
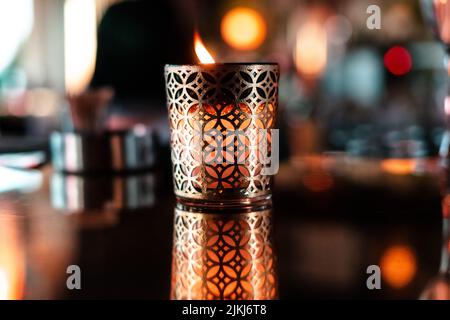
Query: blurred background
[344,87]
[361,114]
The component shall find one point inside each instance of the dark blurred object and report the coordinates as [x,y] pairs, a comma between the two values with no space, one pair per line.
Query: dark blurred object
[439,287]
[88,110]
[12,144]
[99,197]
[86,144]
[437,14]
[135,40]
[109,151]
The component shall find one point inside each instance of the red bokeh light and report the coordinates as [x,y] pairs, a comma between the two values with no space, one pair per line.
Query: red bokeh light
[398,61]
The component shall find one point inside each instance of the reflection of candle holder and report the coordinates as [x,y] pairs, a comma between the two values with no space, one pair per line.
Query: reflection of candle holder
[220,116]
[223,256]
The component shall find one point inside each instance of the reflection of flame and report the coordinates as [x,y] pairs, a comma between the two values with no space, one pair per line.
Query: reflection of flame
[200,50]
[223,256]
[398,266]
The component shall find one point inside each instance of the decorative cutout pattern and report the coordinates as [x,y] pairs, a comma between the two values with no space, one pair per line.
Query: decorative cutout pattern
[228,256]
[221,107]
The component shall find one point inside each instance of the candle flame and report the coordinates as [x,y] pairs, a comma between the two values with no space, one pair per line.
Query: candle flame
[200,50]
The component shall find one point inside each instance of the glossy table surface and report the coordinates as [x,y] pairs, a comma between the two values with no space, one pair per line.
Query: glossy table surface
[333,216]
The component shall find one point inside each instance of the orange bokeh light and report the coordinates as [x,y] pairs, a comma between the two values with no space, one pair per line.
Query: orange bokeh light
[243,28]
[398,166]
[310,52]
[398,266]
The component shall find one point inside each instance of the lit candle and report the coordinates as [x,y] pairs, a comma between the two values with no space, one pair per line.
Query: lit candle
[220,115]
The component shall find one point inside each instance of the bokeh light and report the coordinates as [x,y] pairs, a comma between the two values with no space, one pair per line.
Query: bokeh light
[398,266]
[398,61]
[16,22]
[243,28]
[310,52]
[80,44]
[398,166]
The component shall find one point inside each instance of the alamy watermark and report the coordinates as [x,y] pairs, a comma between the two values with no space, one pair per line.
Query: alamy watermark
[374,20]
[374,280]
[73,281]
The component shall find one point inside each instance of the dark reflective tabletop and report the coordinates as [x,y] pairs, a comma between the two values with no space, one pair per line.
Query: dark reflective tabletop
[332,217]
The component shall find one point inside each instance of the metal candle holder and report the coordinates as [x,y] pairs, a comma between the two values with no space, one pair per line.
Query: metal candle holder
[217,113]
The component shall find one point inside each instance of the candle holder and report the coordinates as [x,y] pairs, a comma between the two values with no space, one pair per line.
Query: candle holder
[221,119]
[223,256]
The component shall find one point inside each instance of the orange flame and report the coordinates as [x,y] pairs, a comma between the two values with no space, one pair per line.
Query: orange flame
[200,50]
